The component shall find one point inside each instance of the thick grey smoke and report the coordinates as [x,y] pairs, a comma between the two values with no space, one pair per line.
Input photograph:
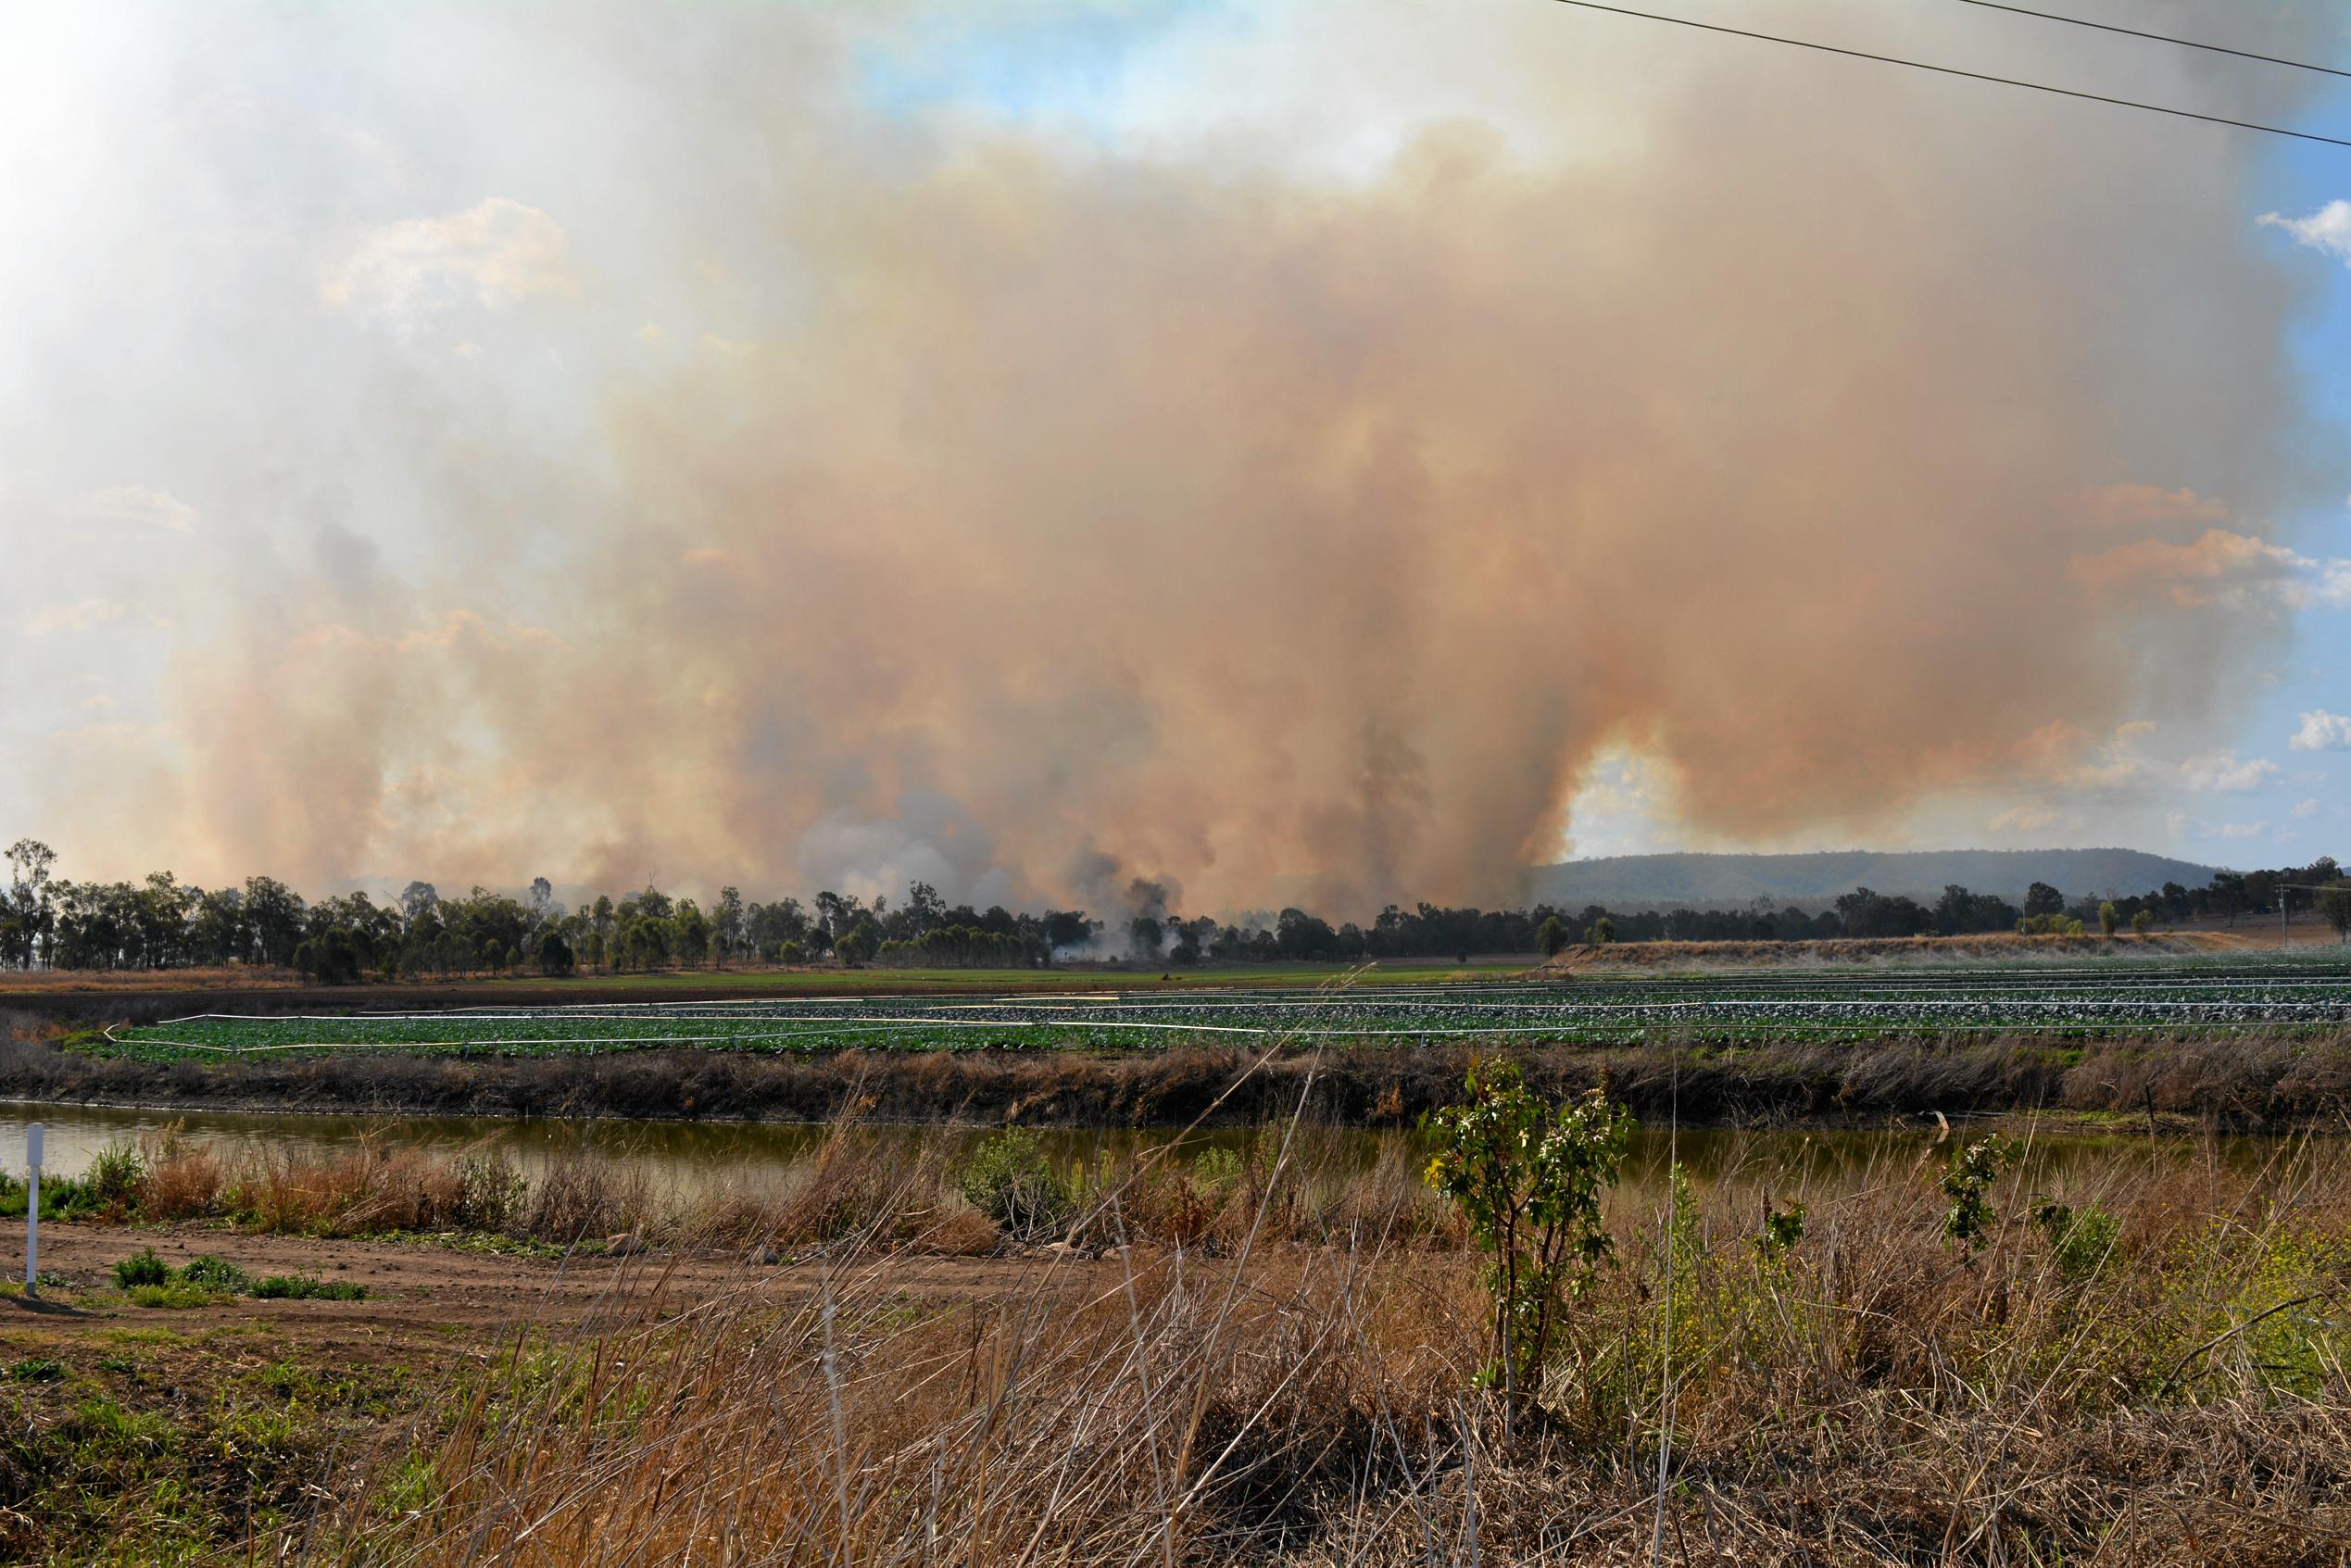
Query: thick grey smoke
[868,493]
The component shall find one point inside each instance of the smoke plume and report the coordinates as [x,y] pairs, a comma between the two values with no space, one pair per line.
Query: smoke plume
[941,493]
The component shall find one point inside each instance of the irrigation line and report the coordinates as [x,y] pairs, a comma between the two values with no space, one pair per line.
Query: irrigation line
[1907,993]
[2291,1013]
[2030,1010]
[1601,1035]
[1256,1031]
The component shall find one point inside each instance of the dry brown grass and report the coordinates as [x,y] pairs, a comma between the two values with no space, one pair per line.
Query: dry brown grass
[1879,1396]
[860,1185]
[1986,947]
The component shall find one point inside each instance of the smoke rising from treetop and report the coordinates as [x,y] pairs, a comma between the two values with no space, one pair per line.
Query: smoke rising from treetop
[931,497]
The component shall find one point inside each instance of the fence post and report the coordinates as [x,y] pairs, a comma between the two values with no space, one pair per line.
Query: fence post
[33,1209]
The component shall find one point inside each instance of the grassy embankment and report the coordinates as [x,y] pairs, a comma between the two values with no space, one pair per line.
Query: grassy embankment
[1277,1366]
[2248,1079]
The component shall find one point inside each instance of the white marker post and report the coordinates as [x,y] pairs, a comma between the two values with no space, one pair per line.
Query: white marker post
[33,1209]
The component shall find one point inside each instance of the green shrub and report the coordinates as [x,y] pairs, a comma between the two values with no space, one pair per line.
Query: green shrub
[1010,1180]
[307,1287]
[215,1273]
[1783,1226]
[2049,925]
[178,1293]
[142,1267]
[1218,1169]
[2080,1240]
[1528,1177]
[64,1198]
[1967,1183]
[491,1192]
[116,1178]
[39,1370]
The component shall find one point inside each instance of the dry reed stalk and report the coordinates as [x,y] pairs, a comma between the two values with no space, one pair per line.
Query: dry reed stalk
[1878,1397]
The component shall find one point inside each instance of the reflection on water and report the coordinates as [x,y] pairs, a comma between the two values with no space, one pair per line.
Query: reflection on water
[685,1156]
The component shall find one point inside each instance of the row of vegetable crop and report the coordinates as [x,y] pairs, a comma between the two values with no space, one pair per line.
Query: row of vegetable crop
[1398,1015]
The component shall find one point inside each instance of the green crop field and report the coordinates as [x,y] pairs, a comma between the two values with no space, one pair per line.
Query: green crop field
[2102,997]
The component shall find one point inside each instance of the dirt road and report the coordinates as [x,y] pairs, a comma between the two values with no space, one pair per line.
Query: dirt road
[447,1301]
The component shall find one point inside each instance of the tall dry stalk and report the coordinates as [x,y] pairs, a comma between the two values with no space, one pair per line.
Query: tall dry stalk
[1871,1396]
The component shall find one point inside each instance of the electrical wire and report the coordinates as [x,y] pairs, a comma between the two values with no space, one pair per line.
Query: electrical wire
[1954,70]
[2156,37]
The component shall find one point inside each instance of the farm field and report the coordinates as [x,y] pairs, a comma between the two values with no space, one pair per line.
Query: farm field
[2090,997]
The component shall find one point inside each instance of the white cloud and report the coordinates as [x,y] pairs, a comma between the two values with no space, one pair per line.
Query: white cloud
[2328,229]
[2306,808]
[2029,818]
[2244,830]
[2218,567]
[87,616]
[2330,584]
[2323,730]
[137,504]
[2220,773]
[498,252]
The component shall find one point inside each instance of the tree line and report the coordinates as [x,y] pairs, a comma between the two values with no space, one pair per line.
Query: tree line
[161,922]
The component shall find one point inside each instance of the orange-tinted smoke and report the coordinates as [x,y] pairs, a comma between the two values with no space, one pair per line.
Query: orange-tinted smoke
[1070,516]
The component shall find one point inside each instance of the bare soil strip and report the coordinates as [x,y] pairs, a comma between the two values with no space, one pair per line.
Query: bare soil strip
[439,1301]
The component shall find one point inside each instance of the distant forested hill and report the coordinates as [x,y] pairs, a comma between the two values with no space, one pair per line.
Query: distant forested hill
[1695,880]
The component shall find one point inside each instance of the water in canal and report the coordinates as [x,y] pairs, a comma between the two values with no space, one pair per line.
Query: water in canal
[687,1156]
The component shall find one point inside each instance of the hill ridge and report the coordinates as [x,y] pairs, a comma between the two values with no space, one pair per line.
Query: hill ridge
[1700,877]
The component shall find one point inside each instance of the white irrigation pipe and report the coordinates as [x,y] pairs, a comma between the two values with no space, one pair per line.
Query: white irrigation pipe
[2137,976]
[1558,1008]
[1631,1014]
[1595,1033]
[861,1027]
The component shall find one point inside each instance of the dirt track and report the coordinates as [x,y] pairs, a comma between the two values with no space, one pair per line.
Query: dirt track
[436,1300]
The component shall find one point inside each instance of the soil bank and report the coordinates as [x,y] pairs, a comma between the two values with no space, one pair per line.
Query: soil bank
[2236,1080]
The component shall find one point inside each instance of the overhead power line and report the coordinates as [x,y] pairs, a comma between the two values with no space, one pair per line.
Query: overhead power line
[2157,37]
[1954,70]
